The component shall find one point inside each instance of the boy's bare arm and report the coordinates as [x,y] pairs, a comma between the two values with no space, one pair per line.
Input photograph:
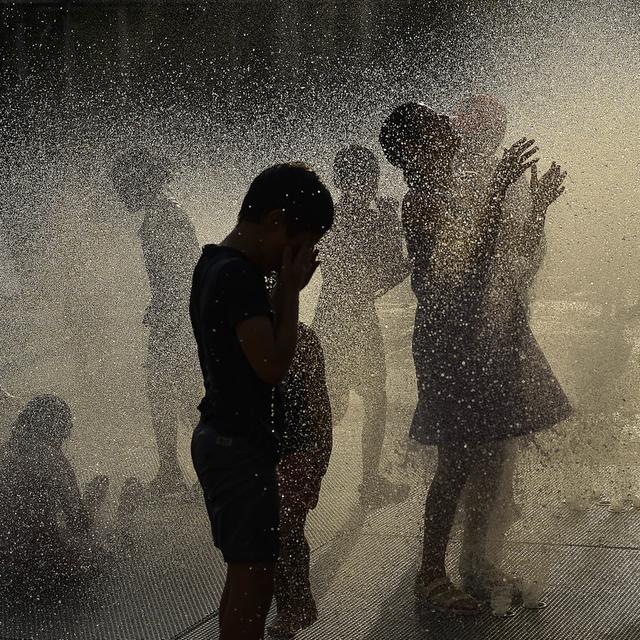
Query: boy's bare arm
[394,266]
[64,485]
[270,346]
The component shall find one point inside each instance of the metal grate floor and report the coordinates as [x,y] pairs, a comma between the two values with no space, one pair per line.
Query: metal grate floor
[363,569]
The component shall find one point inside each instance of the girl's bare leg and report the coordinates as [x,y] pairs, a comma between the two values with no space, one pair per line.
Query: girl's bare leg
[444,493]
[481,500]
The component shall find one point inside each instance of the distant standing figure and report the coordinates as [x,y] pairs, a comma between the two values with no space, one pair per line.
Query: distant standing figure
[361,259]
[170,249]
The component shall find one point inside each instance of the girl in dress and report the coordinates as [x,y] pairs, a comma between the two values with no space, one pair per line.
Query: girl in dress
[468,343]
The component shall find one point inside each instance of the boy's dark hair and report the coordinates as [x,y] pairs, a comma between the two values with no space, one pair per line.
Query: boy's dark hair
[45,418]
[297,190]
[354,166]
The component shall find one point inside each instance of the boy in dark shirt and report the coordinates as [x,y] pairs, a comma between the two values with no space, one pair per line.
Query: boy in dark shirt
[246,344]
[170,249]
[306,448]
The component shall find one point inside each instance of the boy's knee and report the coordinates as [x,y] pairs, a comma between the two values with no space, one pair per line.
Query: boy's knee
[256,581]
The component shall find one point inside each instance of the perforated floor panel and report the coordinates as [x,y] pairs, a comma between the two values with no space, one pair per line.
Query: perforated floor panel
[363,567]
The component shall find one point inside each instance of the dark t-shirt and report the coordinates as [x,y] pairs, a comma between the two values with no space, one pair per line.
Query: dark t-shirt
[227,289]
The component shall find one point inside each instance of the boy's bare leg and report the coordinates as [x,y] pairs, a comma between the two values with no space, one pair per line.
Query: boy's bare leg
[249,591]
[164,421]
[339,397]
[375,418]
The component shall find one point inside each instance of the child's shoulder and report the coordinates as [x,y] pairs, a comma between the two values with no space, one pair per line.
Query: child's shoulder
[230,264]
[222,269]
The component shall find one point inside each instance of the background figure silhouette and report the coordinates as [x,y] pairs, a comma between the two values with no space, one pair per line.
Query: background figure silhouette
[170,249]
[481,122]
[46,525]
[602,396]
[468,360]
[361,260]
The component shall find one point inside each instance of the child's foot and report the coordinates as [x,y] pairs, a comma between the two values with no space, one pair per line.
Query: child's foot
[378,492]
[286,625]
[481,582]
[441,595]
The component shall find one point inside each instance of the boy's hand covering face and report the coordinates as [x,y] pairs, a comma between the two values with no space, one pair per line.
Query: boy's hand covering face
[297,270]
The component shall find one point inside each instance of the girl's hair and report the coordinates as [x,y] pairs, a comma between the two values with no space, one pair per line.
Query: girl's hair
[45,418]
[135,170]
[413,125]
[354,166]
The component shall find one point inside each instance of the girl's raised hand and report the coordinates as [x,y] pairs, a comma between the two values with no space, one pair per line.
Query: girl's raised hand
[547,189]
[514,162]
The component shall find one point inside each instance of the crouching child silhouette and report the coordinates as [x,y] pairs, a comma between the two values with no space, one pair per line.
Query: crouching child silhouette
[46,523]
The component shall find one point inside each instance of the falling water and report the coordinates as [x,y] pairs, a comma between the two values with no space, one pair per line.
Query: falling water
[226,89]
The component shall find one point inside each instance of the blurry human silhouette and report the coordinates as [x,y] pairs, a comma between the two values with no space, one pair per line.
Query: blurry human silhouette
[602,398]
[361,259]
[471,398]
[246,344]
[170,250]
[481,124]
[46,524]
[306,448]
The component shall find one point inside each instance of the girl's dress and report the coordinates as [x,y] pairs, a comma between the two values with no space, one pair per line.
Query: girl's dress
[481,374]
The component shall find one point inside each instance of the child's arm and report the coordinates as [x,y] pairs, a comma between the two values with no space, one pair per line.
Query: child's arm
[269,346]
[515,161]
[320,408]
[544,192]
[63,486]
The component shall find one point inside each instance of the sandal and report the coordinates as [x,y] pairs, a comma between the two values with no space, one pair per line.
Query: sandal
[481,584]
[443,596]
